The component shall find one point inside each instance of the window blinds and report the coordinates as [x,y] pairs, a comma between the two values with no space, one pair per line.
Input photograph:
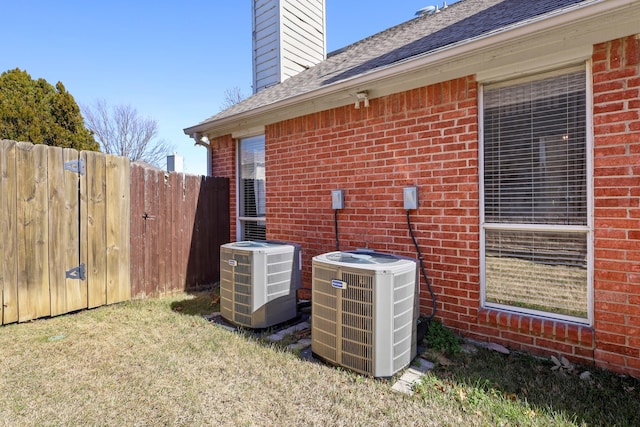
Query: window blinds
[252,188]
[535,151]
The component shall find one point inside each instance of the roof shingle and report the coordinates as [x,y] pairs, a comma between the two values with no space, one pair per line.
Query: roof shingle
[457,23]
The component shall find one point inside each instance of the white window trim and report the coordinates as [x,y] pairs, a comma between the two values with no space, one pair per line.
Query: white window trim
[588,230]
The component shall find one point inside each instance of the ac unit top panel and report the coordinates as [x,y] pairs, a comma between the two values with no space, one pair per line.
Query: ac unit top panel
[261,246]
[367,260]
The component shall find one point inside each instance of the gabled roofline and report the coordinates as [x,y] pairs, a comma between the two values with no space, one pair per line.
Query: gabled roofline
[554,39]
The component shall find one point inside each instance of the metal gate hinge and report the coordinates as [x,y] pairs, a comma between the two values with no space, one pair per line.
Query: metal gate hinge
[76,273]
[76,166]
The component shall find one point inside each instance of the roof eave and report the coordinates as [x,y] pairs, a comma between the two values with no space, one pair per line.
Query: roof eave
[563,37]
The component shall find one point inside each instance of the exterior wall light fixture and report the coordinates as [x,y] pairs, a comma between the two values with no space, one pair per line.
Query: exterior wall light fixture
[362,96]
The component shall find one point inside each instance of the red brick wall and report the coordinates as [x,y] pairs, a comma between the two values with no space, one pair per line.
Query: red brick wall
[535,335]
[223,161]
[425,137]
[428,137]
[616,87]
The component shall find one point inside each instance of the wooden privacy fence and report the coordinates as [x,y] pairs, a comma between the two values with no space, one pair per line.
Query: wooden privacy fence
[178,223]
[84,229]
[64,245]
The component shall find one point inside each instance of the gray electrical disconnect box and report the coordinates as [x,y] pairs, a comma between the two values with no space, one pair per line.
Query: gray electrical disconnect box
[337,199]
[410,198]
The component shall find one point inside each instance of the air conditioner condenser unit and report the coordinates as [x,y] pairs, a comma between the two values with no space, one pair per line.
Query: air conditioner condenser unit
[364,311]
[259,282]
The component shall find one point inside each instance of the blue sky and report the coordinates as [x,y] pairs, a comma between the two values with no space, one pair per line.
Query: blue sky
[170,60]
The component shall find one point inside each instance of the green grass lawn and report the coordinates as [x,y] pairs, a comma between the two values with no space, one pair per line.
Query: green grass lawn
[516,389]
[158,362]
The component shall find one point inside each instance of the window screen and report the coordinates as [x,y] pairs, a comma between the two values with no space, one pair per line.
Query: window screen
[535,223]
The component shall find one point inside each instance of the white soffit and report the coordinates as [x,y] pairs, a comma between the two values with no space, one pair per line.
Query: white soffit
[534,65]
[246,132]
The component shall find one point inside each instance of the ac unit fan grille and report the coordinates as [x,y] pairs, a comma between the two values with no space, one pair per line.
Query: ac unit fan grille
[242,309]
[357,322]
[323,316]
[236,288]
[242,319]
[353,346]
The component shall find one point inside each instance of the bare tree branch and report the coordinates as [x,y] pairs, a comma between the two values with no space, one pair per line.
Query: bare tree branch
[232,97]
[120,130]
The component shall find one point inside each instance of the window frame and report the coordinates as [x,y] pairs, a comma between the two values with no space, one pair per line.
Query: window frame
[243,220]
[587,230]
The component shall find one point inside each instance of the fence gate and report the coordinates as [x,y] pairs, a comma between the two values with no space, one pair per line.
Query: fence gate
[65,230]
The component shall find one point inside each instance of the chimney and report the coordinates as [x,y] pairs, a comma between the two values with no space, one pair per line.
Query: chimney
[289,36]
[174,163]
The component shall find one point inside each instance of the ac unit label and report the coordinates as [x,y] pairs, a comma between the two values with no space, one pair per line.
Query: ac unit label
[339,284]
[233,262]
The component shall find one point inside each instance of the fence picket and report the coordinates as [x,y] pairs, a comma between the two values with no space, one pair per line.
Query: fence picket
[118,226]
[172,226]
[33,251]
[163,236]
[137,233]
[183,230]
[8,232]
[153,284]
[93,247]
[77,290]
[58,227]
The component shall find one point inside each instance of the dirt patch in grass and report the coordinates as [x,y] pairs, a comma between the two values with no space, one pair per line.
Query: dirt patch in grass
[198,303]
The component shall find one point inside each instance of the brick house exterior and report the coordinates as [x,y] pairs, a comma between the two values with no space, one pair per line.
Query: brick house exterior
[429,136]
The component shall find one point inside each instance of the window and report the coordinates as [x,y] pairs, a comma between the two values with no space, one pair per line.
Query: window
[251,189]
[535,224]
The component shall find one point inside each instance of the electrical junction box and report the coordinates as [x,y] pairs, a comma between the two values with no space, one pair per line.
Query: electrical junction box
[410,198]
[337,199]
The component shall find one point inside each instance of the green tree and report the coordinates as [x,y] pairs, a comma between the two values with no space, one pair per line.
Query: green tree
[35,111]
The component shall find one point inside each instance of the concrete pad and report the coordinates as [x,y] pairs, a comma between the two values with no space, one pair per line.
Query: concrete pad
[278,336]
[413,374]
[302,344]
[402,387]
[423,365]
